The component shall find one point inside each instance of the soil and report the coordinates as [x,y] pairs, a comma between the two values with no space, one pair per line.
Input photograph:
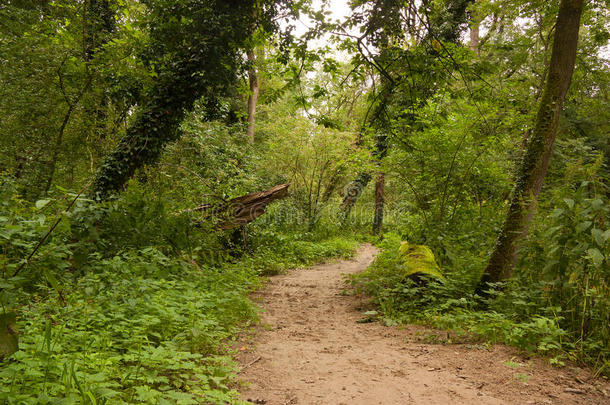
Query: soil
[312,349]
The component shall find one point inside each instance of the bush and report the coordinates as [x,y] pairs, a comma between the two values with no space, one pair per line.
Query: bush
[125,303]
[527,313]
[137,328]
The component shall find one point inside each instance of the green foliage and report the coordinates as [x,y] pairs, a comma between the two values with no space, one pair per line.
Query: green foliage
[67,84]
[560,310]
[448,305]
[572,247]
[450,169]
[191,58]
[390,279]
[136,300]
[316,160]
[277,252]
[138,328]
[454,137]
[557,303]
[125,303]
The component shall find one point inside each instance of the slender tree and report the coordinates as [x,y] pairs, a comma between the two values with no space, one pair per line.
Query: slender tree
[381,150]
[535,161]
[252,96]
[379,203]
[253,80]
[474,36]
[474,25]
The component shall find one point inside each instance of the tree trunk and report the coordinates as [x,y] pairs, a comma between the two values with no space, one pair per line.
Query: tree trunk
[474,36]
[353,191]
[205,67]
[536,159]
[252,97]
[379,203]
[240,211]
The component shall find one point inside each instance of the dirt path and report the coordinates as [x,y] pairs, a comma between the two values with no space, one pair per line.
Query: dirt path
[312,351]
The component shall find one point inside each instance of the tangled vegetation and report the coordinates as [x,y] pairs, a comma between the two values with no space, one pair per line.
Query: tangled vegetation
[124,123]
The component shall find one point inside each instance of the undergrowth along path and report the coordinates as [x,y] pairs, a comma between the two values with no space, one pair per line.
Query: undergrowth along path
[311,349]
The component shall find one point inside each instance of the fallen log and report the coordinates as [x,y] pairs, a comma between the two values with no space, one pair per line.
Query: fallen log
[241,210]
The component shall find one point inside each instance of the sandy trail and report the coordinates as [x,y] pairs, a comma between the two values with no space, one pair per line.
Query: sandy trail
[311,350]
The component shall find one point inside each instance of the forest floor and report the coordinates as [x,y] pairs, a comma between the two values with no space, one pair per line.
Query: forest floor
[311,349]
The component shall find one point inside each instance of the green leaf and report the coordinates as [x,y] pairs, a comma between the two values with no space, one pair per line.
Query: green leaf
[583,226]
[569,202]
[557,212]
[598,235]
[48,336]
[52,280]
[597,204]
[40,204]
[106,392]
[596,257]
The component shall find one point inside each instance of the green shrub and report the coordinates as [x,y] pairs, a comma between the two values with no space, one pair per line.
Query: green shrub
[125,303]
[535,312]
[137,328]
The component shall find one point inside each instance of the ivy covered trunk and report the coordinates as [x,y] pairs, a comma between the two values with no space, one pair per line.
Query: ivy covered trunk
[193,58]
[156,125]
[535,162]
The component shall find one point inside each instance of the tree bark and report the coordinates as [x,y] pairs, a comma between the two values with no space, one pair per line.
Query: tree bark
[474,36]
[535,162]
[204,63]
[240,211]
[379,203]
[252,97]
[353,191]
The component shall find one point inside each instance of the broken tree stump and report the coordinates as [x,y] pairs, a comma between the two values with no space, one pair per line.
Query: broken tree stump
[241,210]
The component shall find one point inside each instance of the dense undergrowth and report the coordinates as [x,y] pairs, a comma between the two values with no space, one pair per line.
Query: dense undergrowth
[558,304]
[149,320]
[558,300]
[135,299]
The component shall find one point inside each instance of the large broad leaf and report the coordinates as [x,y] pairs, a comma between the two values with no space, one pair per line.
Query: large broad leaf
[8,334]
[419,259]
[598,235]
[40,204]
[596,256]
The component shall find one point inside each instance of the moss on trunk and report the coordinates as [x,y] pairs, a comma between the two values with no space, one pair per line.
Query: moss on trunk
[535,161]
